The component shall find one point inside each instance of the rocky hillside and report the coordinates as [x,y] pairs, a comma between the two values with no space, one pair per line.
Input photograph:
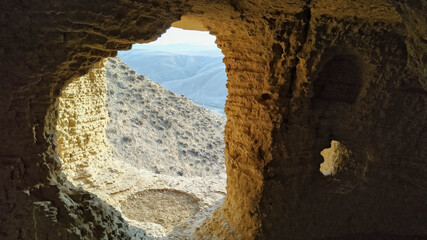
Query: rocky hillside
[155,129]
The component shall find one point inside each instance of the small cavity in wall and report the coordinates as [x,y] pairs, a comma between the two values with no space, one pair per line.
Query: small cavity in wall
[333,158]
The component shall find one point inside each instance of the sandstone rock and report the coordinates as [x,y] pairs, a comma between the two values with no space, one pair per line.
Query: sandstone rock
[274,52]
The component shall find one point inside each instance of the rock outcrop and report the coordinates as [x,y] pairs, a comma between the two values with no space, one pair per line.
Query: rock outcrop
[300,74]
[82,145]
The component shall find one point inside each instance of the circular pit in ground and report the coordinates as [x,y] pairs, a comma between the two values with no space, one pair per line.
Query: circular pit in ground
[169,208]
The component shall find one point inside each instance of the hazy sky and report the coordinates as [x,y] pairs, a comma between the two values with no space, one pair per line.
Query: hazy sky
[180,36]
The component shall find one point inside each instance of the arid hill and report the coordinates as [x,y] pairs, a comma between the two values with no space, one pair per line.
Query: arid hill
[153,128]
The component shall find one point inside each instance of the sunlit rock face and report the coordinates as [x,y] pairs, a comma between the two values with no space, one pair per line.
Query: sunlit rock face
[82,120]
[288,98]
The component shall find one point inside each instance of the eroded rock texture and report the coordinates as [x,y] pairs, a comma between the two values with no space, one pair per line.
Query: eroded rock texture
[80,126]
[300,74]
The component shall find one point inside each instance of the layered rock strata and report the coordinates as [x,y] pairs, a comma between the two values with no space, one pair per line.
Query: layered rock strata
[81,141]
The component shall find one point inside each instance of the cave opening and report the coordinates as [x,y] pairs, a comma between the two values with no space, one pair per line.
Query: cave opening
[334,158]
[187,62]
[155,155]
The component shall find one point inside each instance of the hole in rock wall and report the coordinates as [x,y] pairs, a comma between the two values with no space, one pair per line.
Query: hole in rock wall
[155,154]
[334,158]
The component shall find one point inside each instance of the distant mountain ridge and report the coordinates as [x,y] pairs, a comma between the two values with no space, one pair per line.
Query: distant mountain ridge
[192,49]
[194,71]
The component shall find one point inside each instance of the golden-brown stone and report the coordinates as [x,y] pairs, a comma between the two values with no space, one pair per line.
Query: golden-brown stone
[283,60]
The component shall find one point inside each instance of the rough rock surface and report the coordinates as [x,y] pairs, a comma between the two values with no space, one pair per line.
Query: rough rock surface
[278,55]
[81,141]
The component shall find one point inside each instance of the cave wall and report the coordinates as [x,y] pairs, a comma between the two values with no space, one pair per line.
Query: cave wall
[284,60]
[82,118]
[351,89]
